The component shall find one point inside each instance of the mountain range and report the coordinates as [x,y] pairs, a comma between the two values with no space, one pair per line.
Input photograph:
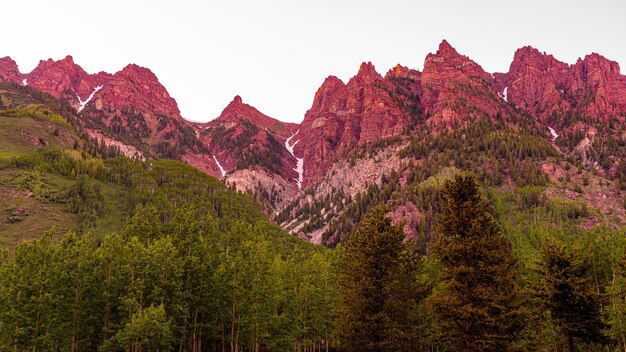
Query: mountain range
[379,138]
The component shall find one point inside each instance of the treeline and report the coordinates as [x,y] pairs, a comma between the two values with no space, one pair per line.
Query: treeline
[478,290]
[180,285]
[195,266]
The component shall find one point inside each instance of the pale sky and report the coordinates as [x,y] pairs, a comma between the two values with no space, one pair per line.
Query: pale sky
[276,54]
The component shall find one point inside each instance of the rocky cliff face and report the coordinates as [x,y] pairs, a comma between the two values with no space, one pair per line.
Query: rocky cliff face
[540,83]
[344,115]
[275,159]
[65,79]
[9,71]
[456,89]
[136,88]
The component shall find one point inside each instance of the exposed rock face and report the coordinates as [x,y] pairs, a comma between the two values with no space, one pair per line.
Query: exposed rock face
[65,79]
[244,138]
[542,84]
[344,115]
[456,88]
[137,88]
[245,146]
[132,106]
[9,71]
[237,111]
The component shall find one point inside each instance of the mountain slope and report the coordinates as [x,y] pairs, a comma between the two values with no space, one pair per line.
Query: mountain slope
[531,126]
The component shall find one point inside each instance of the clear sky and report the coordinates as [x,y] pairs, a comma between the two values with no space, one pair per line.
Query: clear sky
[275,54]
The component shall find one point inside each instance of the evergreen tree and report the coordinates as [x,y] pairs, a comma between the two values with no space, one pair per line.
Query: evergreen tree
[379,288]
[566,291]
[478,302]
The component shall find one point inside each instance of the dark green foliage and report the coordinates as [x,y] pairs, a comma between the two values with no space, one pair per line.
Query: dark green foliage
[249,152]
[565,290]
[380,293]
[478,302]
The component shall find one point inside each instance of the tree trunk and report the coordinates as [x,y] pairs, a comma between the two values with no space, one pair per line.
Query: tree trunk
[571,347]
[232,329]
[17,322]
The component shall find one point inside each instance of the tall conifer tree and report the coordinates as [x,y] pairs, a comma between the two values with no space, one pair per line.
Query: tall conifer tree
[566,291]
[379,288]
[478,301]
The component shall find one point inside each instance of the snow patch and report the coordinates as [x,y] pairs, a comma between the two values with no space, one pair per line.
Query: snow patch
[220,166]
[300,161]
[24,82]
[553,133]
[84,103]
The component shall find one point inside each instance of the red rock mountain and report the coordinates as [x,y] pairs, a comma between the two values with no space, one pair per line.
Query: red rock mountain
[248,149]
[364,110]
[133,107]
[540,83]
[65,79]
[242,137]
[9,71]
[456,88]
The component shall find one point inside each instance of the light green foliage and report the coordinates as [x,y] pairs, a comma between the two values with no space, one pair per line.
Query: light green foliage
[185,284]
[148,330]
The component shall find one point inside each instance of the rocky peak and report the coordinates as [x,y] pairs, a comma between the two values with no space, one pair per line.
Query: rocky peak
[8,70]
[542,84]
[236,100]
[343,116]
[137,88]
[65,79]
[449,62]
[450,77]
[366,75]
[400,71]
[595,67]
[446,50]
[326,97]
[236,111]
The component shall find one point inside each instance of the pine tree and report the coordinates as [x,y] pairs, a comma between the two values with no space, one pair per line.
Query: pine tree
[379,288]
[478,302]
[567,293]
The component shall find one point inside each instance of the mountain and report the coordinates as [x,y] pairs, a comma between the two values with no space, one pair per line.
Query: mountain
[455,116]
[8,70]
[592,86]
[251,150]
[380,138]
[364,110]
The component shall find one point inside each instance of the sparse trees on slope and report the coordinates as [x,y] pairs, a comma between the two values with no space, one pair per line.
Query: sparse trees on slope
[478,302]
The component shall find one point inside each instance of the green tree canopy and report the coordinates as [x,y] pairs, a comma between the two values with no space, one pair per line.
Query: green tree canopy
[379,288]
[477,303]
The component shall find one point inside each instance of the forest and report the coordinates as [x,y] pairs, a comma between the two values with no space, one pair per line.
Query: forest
[103,253]
[194,266]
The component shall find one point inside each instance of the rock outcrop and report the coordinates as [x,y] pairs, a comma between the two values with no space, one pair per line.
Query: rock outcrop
[592,86]
[66,80]
[9,71]
[343,115]
[456,89]
[243,138]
